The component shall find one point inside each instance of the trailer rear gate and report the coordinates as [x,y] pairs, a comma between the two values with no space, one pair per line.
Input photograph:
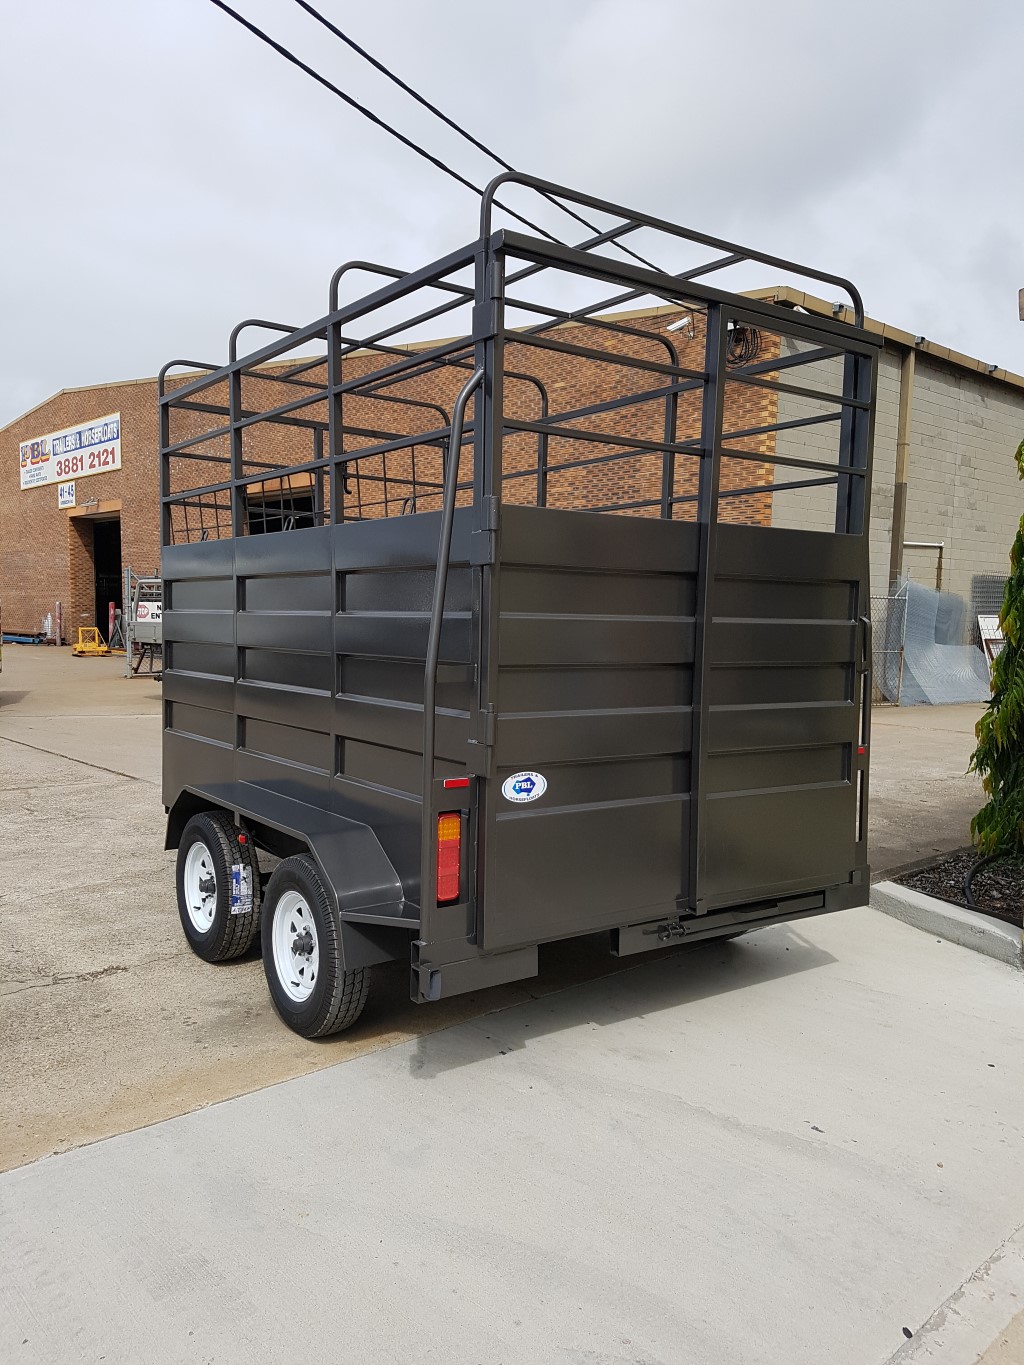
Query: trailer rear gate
[692,690]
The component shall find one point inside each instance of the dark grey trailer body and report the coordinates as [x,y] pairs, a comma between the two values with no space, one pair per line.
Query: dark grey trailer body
[693,692]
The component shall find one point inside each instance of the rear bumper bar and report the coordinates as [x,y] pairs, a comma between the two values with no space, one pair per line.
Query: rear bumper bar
[433,980]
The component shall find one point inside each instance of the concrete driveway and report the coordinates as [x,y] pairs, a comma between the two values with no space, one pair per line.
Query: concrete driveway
[107,1022]
[794,1148]
[922,797]
[788,1148]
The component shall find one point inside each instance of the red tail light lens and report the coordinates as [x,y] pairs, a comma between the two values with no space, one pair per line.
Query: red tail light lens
[449,856]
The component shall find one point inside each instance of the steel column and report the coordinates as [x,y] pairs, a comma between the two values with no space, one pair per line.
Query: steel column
[707,515]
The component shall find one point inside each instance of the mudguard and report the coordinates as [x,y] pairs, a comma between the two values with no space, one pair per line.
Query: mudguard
[358,875]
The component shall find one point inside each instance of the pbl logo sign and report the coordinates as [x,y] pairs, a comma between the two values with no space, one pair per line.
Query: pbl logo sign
[34,452]
[521,787]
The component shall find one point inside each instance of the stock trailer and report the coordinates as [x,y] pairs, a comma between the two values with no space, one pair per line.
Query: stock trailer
[555,626]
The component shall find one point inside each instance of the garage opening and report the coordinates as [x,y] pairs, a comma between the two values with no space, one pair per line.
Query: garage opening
[107,569]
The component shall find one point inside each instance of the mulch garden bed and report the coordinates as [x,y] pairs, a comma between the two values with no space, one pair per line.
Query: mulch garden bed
[998,889]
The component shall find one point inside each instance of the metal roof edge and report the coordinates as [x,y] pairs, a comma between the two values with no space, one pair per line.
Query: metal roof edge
[798,298]
[81,388]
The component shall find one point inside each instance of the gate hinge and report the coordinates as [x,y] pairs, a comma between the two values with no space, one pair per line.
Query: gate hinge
[483,728]
[482,548]
[485,320]
[483,541]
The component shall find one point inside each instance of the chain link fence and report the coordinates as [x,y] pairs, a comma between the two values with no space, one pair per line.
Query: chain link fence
[888,642]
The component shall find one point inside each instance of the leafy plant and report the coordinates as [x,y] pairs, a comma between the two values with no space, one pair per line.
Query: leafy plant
[998,828]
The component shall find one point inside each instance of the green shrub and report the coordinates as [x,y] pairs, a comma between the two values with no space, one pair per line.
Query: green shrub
[999,826]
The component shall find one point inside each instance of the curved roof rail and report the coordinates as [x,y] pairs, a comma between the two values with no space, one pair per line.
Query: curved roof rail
[631,217]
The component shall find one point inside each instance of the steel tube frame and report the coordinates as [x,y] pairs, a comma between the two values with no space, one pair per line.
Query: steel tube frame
[429,277]
[561,192]
[551,255]
[483,351]
[428,875]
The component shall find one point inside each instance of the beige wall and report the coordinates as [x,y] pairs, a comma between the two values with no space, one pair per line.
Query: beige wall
[963,485]
[814,508]
[962,482]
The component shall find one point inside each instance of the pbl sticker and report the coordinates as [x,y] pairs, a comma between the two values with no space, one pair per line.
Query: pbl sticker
[522,787]
[241,889]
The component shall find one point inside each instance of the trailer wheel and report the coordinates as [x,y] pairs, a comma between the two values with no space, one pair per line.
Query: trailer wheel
[209,851]
[311,991]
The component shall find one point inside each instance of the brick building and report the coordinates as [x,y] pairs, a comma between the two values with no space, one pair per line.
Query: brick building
[945,496]
[74,556]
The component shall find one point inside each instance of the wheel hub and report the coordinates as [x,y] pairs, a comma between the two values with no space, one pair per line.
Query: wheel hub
[303,944]
[296,948]
[200,887]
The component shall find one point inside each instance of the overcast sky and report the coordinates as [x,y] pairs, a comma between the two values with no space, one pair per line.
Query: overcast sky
[165,175]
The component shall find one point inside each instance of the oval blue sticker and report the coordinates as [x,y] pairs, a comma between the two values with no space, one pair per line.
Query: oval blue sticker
[522,787]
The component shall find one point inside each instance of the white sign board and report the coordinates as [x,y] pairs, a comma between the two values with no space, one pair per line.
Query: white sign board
[150,611]
[65,495]
[74,453]
[991,638]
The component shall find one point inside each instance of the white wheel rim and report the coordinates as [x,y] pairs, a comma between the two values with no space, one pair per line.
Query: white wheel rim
[200,887]
[296,947]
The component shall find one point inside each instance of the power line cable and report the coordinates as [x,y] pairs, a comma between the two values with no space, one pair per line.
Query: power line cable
[451,123]
[336,90]
[369,114]
[403,85]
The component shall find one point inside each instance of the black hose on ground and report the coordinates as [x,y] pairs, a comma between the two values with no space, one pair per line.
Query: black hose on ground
[973,871]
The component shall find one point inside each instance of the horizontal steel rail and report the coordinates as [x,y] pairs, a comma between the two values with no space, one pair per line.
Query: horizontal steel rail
[681,289]
[398,370]
[316,331]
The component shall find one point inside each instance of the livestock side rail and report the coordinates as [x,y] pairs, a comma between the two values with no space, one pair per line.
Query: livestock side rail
[557,623]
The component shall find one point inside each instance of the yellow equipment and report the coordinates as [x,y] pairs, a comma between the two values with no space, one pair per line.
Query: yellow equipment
[91,643]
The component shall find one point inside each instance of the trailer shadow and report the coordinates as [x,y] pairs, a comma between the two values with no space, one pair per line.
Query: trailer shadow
[674,977]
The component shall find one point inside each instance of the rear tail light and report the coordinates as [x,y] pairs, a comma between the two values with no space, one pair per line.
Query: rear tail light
[449,856]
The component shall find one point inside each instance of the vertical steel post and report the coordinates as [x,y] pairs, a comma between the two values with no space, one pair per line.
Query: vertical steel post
[707,515]
[855,444]
[668,464]
[166,529]
[318,478]
[853,501]
[127,617]
[542,452]
[489,430]
[238,498]
[489,355]
[335,430]
[428,838]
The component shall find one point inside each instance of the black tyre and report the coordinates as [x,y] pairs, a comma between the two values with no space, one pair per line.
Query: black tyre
[311,991]
[220,912]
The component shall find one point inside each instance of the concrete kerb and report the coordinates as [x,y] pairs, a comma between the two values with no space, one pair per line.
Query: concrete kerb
[965,927]
[971,1326]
